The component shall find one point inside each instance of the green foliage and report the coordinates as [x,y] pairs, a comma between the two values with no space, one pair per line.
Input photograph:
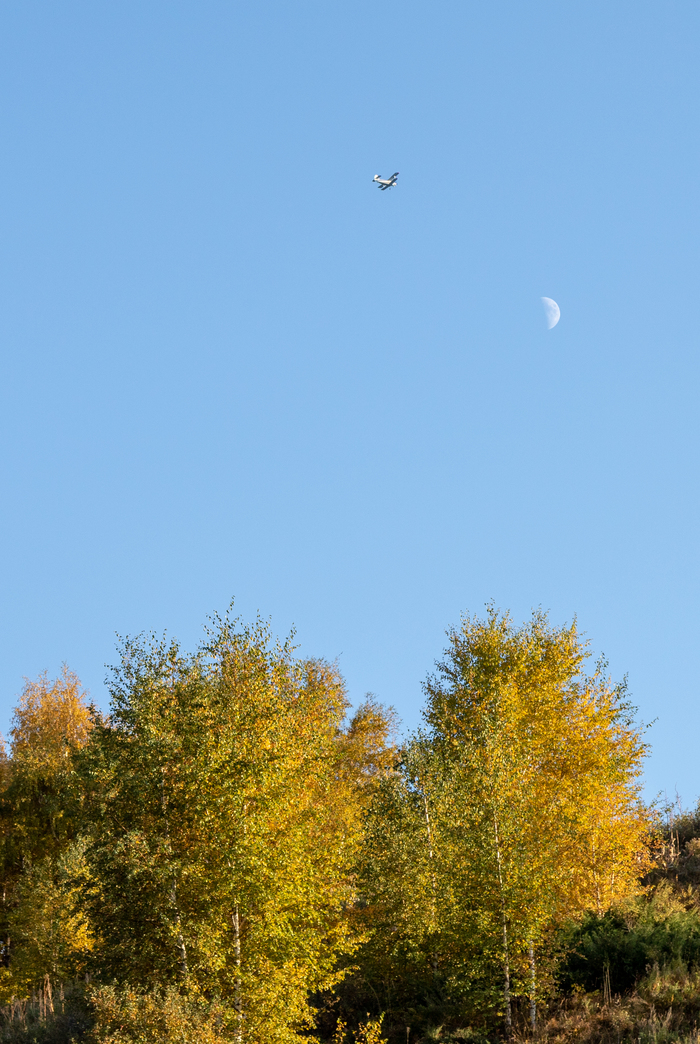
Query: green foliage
[41,802]
[50,929]
[615,951]
[225,857]
[516,809]
[42,930]
[223,825]
[416,960]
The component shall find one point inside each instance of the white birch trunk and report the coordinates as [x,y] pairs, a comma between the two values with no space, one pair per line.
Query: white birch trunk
[237,998]
[504,924]
[431,856]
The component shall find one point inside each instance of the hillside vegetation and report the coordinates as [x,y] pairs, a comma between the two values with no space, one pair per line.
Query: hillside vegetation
[231,854]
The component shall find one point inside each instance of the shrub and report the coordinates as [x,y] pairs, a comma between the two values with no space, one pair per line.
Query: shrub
[125,1015]
[615,951]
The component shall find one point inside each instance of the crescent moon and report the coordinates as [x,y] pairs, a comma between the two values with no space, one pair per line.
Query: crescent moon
[551,312]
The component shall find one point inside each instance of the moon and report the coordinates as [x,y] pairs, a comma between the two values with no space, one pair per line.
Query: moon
[551,312]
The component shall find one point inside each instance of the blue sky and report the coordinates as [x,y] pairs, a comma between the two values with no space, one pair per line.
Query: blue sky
[230,366]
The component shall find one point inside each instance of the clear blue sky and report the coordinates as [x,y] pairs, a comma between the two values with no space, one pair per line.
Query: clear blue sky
[230,366]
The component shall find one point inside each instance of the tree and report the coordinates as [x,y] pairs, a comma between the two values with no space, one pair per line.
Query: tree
[51,934]
[368,748]
[405,892]
[546,819]
[517,808]
[51,722]
[224,822]
[40,805]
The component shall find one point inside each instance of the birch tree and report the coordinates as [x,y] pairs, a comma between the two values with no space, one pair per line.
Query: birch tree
[225,820]
[517,807]
[544,762]
[43,932]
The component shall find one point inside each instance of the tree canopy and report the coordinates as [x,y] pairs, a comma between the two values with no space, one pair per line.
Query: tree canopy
[231,853]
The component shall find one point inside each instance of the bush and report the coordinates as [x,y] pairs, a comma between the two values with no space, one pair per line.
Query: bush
[126,1015]
[615,951]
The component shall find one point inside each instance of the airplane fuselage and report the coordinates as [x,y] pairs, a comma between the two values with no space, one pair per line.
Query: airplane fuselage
[385,183]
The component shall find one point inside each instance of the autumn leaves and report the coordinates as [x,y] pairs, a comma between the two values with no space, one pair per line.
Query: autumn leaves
[516,808]
[224,836]
[222,826]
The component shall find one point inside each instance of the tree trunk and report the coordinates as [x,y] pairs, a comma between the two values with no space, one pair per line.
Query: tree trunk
[184,970]
[48,996]
[237,998]
[433,914]
[533,987]
[430,851]
[504,923]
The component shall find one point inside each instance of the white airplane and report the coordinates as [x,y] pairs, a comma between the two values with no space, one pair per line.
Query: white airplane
[385,183]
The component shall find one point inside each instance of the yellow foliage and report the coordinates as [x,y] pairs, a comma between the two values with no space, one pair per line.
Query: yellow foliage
[519,808]
[50,721]
[340,1034]
[130,1016]
[227,836]
[49,931]
[223,807]
[370,1032]
[42,930]
[546,768]
[369,746]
